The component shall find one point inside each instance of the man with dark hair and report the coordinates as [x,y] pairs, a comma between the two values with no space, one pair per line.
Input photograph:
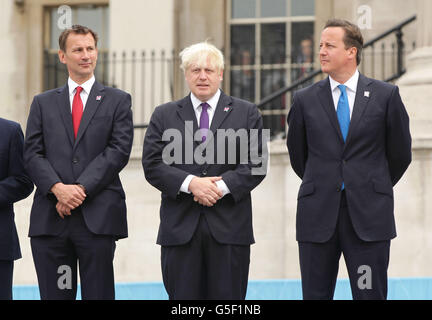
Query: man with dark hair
[15,185]
[349,142]
[352,35]
[76,29]
[78,139]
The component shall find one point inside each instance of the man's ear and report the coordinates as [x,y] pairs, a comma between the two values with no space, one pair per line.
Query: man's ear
[61,55]
[353,52]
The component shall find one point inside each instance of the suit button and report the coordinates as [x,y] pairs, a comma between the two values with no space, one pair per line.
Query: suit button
[204,173]
[74,160]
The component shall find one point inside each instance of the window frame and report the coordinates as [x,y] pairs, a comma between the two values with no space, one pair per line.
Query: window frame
[258,21]
[46,41]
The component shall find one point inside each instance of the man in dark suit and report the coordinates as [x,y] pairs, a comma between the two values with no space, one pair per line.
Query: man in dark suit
[349,142]
[78,139]
[206,212]
[15,185]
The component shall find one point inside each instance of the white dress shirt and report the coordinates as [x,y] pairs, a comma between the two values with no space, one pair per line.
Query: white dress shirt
[212,102]
[351,90]
[196,103]
[84,93]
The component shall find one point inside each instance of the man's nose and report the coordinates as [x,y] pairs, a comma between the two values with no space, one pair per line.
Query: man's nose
[86,54]
[202,74]
[322,51]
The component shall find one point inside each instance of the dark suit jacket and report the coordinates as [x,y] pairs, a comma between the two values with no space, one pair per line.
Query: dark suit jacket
[230,219]
[94,159]
[373,159]
[14,186]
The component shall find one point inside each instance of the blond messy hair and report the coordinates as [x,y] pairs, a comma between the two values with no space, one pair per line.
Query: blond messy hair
[197,54]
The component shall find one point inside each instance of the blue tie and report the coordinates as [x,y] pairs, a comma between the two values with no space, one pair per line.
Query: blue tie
[343,111]
[343,114]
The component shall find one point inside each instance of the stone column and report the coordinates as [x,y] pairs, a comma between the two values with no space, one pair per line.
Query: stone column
[196,21]
[12,63]
[416,84]
[413,193]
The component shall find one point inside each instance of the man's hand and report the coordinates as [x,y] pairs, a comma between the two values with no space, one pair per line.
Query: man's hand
[69,195]
[205,190]
[62,210]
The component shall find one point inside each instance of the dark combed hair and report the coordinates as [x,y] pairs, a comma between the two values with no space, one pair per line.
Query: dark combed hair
[78,29]
[352,37]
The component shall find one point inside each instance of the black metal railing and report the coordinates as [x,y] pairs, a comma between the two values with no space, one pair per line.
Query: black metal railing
[153,78]
[147,75]
[385,63]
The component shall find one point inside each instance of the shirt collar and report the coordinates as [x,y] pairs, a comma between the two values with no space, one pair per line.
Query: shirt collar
[213,101]
[350,84]
[86,85]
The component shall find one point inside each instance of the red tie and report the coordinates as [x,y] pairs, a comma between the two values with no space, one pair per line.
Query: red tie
[77,110]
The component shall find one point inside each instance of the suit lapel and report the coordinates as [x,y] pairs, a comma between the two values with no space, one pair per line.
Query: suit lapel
[326,100]
[223,109]
[360,104]
[186,112]
[63,102]
[90,109]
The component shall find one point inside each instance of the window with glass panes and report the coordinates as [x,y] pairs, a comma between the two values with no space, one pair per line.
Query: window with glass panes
[270,45]
[96,17]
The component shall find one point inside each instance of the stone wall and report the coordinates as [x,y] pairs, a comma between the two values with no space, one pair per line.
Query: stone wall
[275,253]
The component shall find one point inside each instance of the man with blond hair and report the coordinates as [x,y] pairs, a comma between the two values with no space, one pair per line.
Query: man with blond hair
[205,230]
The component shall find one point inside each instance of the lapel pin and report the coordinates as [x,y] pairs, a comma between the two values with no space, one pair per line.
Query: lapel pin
[226,109]
[366,94]
[98,98]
